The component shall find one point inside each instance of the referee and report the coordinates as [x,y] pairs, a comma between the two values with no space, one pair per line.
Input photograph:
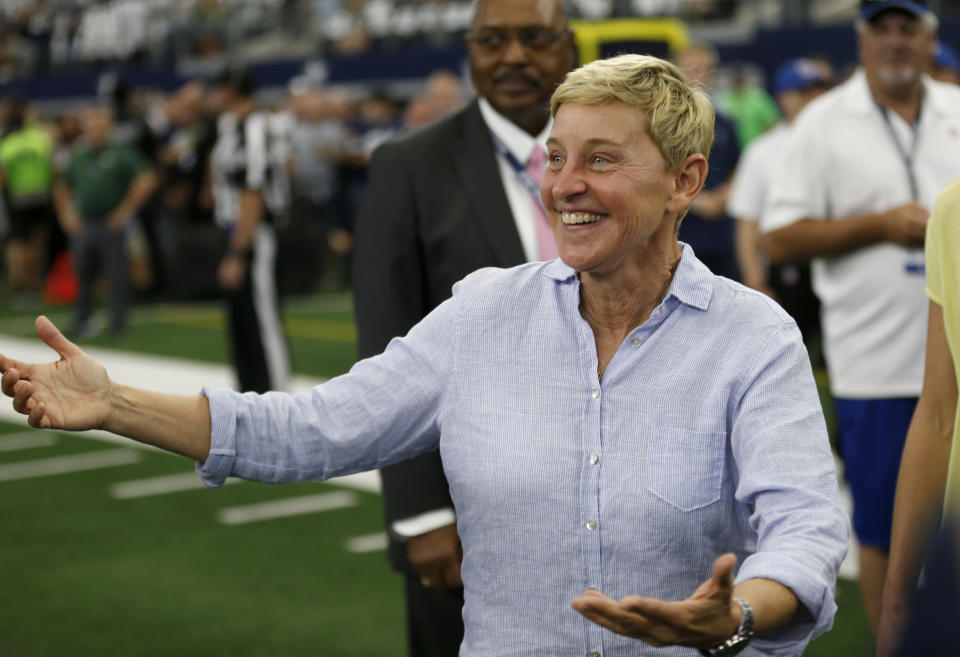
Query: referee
[249,191]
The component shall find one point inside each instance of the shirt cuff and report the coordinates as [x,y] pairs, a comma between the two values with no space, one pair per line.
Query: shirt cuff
[813,591]
[423,523]
[223,444]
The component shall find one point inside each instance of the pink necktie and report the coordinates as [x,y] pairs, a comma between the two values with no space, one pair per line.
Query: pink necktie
[546,242]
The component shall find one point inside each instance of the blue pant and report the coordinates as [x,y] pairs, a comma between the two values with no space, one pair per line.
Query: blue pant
[872,434]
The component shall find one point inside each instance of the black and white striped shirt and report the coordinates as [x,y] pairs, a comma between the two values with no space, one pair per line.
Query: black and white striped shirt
[249,154]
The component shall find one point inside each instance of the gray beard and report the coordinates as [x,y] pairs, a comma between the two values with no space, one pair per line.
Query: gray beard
[897,79]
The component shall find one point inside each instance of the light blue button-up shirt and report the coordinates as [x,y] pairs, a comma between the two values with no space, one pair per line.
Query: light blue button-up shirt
[705,436]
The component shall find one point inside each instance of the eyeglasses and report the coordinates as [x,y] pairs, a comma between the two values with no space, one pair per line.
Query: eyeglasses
[530,38]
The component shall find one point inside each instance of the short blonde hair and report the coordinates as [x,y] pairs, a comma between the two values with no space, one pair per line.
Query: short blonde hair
[680,116]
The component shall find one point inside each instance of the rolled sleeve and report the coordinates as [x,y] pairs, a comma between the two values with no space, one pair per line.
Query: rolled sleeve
[789,480]
[385,410]
[814,589]
[223,445]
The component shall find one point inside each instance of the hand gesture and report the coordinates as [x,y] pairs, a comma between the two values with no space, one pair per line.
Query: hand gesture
[436,556]
[704,620]
[72,393]
[906,225]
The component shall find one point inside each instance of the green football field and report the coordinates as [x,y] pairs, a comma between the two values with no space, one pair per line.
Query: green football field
[112,550]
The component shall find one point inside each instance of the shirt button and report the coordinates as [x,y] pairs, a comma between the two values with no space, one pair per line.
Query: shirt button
[594,458]
[635,342]
[591,524]
[595,393]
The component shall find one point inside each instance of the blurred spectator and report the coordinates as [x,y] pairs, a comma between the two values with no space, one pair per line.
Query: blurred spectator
[377,121]
[946,64]
[26,177]
[249,193]
[445,93]
[17,55]
[751,108]
[707,227]
[206,29]
[417,113]
[168,135]
[102,189]
[825,65]
[64,37]
[67,134]
[442,95]
[346,30]
[796,83]
[318,142]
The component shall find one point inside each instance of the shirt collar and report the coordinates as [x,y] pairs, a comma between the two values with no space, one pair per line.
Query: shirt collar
[511,135]
[692,283]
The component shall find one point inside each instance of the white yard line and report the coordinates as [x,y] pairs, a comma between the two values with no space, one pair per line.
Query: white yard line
[186,481]
[366,481]
[11,442]
[174,375]
[368,543]
[65,464]
[126,490]
[294,506]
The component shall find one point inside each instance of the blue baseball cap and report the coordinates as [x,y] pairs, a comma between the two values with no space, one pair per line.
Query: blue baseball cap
[870,8]
[946,57]
[798,73]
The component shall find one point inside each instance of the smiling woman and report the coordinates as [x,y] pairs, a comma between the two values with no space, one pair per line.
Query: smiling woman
[628,154]
[658,488]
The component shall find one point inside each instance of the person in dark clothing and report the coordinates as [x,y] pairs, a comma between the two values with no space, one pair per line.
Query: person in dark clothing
[102,189]
[248,192]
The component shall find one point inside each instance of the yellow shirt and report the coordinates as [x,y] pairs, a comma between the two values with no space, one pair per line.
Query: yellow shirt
[943,287]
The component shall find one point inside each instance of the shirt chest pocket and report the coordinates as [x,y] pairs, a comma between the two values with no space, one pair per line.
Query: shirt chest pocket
[685,468]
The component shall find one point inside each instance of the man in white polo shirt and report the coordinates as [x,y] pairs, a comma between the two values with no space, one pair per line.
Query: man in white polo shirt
[864,165]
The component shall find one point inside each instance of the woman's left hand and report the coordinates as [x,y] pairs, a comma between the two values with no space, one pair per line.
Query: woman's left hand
[704,620]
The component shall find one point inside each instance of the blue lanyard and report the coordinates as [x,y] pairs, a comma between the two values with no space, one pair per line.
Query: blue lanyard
[915,261]
[521,171]
[907,156]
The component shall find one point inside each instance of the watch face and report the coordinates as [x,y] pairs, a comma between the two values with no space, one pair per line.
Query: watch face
[734,645]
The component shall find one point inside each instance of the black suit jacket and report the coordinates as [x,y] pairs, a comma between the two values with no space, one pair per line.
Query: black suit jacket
[433,212]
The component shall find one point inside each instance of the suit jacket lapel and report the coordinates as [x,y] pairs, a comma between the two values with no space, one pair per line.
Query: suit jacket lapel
[476,162]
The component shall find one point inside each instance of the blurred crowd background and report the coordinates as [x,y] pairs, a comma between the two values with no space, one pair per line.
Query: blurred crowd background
[339,77]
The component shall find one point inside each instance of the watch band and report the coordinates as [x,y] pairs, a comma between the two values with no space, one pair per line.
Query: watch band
[740,638]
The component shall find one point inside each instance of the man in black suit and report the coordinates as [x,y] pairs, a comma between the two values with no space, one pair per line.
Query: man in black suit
[442,202]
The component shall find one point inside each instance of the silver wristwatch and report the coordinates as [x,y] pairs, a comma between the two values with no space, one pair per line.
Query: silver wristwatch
[740,638]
